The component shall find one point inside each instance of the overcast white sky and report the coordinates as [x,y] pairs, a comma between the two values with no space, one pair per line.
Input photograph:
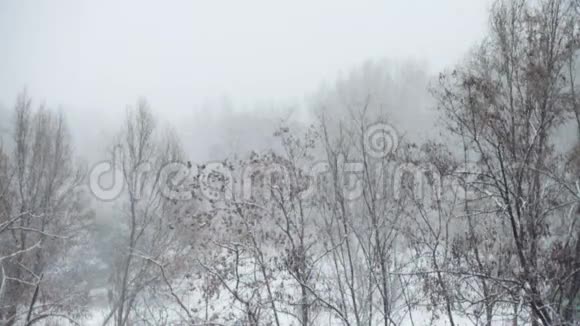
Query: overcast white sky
[104,54]
[99,56]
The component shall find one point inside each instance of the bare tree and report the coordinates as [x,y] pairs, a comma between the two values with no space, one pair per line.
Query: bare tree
[505,104]
[43,215]
[148,235]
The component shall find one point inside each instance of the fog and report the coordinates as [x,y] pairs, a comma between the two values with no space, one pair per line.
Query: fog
[289,163]
[190,57]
